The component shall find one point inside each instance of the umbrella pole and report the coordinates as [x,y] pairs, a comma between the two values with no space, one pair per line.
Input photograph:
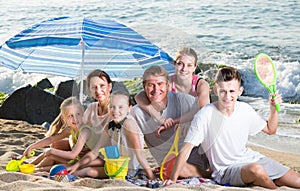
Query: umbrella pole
[81,71]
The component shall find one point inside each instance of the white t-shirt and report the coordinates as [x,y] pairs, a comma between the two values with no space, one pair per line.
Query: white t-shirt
[178,104]
[223,138]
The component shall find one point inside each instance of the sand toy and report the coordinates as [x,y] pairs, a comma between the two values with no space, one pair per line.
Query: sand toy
[14,165]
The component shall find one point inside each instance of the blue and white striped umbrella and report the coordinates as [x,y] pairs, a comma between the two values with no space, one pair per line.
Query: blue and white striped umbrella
[73,47]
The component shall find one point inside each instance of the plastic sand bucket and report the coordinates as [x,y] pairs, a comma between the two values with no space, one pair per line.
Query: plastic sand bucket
[116,168]
[14,165]
[27,168]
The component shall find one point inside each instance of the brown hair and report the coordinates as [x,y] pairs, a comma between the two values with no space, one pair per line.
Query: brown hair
[97,73]
[228,73]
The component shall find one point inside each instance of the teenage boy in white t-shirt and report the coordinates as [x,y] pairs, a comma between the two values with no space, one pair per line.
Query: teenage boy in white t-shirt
[222,128]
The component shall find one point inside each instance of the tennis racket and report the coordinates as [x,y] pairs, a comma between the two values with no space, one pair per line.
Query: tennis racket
[265,72]
[169,160]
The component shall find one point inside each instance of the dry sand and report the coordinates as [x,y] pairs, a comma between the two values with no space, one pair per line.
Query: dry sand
[16,135]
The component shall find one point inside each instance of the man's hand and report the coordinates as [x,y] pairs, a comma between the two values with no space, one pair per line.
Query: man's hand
[168,123]
[275,99]
[159,130]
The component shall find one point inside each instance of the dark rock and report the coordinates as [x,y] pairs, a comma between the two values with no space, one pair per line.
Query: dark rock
[67,89]
[13,106]
[44,84]
[119,86]
[31,104]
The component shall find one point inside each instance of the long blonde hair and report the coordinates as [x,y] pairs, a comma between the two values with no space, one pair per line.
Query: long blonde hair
[59,123]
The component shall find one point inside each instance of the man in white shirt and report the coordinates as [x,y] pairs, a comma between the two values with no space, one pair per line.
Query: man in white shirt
[222,128]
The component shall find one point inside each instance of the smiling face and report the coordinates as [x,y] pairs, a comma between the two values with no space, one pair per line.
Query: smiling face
[73,116]
[228,93]
[227,88]
[156,88]
[100,89]
[185,66]
[119,107]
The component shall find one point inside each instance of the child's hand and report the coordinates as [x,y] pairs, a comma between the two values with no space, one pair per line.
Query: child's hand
[48,152]
[150,174]
[73,168]
[26,153]
[168,123]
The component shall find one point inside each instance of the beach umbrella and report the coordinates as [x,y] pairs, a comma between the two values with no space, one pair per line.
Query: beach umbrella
[73,47]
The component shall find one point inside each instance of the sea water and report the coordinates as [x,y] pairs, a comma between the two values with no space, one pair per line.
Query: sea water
[230,32]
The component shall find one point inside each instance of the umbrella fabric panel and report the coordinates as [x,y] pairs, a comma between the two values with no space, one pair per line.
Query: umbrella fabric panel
[66,62]
[71,47]
[69,31]
[52,60]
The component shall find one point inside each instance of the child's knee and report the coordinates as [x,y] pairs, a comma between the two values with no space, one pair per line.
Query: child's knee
[88,172]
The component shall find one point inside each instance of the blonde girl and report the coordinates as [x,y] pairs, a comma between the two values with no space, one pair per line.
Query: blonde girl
[68,132]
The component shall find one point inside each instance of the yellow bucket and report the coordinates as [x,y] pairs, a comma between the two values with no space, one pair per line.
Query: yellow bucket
[116,168]
[27,168]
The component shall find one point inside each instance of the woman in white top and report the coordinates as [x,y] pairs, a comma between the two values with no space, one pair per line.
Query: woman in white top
[99,85]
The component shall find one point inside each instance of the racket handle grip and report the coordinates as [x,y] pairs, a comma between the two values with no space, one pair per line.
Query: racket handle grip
[277,106]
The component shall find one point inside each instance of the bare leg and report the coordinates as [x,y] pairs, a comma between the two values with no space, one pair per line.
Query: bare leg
[255,174]
[98,162]
[61,145]
[38,159]
[43,169]
[291,179]
[93,172]
[51,160]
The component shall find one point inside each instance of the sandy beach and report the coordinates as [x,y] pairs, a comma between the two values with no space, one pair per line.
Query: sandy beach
[16,135]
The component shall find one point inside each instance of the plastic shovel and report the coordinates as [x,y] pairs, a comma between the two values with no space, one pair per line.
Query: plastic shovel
[14,165]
